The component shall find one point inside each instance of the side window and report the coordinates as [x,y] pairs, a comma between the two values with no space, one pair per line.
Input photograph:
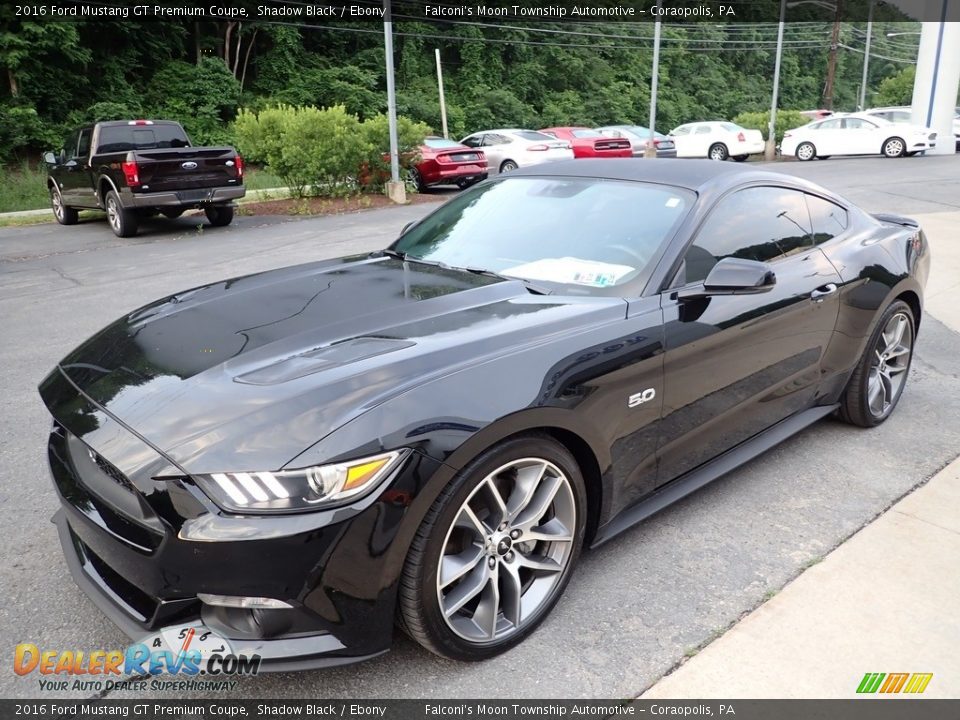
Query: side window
[900,116]
[473,141]
[760,223]
[827,220]
[830,125]
[83,146]
[682,130]
[491,139]
[703,130]
[70,146]
[551,133]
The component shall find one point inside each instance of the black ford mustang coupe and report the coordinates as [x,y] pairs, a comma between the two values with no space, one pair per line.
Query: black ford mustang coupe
[429,435]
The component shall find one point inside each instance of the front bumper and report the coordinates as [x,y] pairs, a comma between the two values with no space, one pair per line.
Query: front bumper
[183,198]
[143,549]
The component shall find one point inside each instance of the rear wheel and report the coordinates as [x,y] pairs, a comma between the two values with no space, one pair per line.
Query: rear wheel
[123,221]
[508,166]
[64,215]
[878,381]
[417,179]
[219,215]
[894,147]
[495,551]
[718,151]
[806,151]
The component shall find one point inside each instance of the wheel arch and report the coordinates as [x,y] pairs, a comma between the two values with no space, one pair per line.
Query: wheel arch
[105,185]
[911,298]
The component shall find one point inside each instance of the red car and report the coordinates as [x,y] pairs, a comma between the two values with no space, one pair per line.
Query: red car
[589,143]
[445,162]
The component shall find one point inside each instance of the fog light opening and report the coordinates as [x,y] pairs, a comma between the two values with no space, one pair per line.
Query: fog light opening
[246,603]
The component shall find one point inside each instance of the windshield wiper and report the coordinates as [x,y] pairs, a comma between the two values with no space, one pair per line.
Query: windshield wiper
[532,287]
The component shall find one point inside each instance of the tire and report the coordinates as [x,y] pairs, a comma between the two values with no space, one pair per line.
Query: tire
[824,157]
[219,215]
[508,166]
[123,221]
[911,154]
[417,179]
[172,213]
[740,158]
[872,394]
[805,151]
[64,215]
[894,147]
[500,588]
[718,151]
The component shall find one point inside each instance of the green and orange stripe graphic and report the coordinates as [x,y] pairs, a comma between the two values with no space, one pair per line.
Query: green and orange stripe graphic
[894,682]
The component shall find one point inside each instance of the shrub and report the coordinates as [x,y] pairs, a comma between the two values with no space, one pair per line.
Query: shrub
[325,150]
[786,120]
[375,133]
[23,132]
[202,97]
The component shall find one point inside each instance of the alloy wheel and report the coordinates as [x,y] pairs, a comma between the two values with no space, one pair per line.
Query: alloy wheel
[504,556]
[57,205]
[893,148]
[113,214]
[805,151]
[888,372]
[718,152]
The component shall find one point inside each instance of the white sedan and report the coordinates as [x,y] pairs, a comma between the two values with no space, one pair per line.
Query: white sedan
[857,134]
[509,148]
[716,140]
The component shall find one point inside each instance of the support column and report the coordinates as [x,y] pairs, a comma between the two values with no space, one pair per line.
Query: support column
[938,77]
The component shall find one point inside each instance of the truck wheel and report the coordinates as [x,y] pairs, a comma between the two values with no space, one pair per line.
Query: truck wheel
[219,215]
[64,215]
[123,221]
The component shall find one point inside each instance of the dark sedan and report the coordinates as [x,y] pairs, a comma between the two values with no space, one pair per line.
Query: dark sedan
[297,460]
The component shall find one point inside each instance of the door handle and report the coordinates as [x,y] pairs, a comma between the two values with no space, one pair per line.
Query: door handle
[821,292]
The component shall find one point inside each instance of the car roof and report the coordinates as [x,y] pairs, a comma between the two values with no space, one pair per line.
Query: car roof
[689,174]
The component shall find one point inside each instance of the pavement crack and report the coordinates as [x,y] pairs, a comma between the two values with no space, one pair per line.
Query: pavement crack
[924,520]
[66,277]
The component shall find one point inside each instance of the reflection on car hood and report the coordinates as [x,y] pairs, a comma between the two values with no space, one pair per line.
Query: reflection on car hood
[246,373]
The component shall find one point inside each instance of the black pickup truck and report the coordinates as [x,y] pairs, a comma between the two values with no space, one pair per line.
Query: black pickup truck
[138,168]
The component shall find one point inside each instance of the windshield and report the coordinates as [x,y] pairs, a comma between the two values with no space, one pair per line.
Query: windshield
[533,135]
[576,235]
[440,143]
[586,134]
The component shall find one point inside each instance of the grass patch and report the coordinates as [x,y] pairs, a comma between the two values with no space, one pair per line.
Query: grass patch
[23,188]
[260,179]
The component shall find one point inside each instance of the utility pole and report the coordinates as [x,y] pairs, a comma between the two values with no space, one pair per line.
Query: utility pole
[832,62]
[651,149]
[866,59]
[443,102]
[770,149]
[395,189]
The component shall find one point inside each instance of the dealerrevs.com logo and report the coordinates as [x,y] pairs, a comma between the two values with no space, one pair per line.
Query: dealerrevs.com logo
[170,660]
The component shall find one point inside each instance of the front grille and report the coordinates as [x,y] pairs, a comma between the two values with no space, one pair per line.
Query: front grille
[137,603]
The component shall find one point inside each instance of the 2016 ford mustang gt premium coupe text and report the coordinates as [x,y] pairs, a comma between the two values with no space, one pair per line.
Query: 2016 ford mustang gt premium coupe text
[428,436]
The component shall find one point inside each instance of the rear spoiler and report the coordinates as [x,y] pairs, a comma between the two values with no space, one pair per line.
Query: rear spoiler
[896,220]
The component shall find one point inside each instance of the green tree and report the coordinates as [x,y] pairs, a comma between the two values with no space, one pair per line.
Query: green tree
[897,89]
[202,97]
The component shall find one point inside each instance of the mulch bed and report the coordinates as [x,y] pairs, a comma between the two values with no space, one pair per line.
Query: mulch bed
[330,206]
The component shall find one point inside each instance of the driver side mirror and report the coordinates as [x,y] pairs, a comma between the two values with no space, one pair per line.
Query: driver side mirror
[49,158]
[733,276]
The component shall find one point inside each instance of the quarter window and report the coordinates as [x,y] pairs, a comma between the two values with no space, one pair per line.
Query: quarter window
[827,219]
[761,223]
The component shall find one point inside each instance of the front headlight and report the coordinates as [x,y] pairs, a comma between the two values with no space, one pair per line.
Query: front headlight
[311,488]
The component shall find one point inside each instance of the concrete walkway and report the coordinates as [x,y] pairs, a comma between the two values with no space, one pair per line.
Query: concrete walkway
[886,601]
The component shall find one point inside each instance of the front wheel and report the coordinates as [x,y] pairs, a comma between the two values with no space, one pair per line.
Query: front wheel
[219,215]
[64,215]
[879,378]
[894,147]
[718,151]
[806,151]
[123,221]
[495,550]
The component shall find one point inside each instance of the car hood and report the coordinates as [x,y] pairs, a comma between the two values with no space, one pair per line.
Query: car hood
[245,374]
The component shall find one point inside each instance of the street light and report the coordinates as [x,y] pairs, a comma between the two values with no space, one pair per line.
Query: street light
[770,150]
[651,149]
[866,59]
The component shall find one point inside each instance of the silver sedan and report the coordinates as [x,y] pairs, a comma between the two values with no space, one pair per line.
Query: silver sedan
[509,148]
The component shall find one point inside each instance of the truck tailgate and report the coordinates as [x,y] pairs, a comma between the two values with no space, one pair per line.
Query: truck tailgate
[172,169]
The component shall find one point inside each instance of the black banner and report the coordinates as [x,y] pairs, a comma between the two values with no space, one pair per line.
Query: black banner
[488,11]
[863,709]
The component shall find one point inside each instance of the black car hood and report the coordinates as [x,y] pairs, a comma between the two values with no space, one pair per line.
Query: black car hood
[246,373]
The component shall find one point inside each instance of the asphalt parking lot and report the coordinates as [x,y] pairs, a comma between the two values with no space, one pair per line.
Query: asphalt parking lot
[635,607]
